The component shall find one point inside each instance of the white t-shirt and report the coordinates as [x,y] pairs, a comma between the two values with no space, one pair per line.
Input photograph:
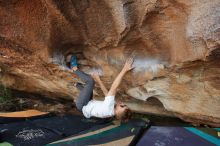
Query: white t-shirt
[100,109]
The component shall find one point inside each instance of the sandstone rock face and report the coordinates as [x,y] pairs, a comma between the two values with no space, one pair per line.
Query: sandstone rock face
[175,44]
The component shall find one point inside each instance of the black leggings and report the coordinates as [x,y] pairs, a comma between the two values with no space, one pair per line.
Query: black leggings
[86,92]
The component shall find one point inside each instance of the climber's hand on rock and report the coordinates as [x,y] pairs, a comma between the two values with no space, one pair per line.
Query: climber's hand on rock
[95,76]
[128,64]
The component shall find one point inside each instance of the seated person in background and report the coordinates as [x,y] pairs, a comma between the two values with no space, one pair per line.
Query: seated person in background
[101,109]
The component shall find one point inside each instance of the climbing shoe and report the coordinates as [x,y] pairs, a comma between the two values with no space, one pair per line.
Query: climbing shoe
[73,61]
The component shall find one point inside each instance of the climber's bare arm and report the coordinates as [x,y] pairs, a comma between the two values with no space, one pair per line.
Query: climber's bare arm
[127,67]
[99,81]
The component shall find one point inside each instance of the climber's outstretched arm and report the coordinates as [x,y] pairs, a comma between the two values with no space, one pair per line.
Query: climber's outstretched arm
[127,67]
[99,81]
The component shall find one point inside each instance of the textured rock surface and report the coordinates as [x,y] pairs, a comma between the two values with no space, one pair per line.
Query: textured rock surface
[175,44]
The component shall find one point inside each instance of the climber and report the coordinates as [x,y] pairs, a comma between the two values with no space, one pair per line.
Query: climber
[95,108]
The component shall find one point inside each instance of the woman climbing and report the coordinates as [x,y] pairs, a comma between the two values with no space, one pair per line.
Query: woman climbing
[95,108]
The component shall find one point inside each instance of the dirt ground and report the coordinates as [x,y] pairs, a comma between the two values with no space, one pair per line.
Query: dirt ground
[23,101]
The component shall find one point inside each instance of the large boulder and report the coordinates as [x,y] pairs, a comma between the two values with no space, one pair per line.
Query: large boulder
[175,43]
